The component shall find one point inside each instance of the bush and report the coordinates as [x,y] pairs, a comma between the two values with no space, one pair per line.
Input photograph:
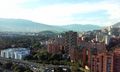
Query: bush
[7,65]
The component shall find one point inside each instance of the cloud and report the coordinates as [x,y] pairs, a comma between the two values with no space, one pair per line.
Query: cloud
[62,13]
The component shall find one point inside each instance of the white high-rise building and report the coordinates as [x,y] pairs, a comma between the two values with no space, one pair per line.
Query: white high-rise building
[107,39]
[15,53]
[109,30]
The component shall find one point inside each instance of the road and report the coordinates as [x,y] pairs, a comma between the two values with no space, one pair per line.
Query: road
[35,67]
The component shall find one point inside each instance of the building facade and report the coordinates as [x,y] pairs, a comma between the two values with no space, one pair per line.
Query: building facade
[15,53]
[102,62]
[116,60]
[70,40]
[71,45]
[53,48]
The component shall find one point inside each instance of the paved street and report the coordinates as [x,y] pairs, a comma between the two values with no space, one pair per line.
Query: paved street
[33,66]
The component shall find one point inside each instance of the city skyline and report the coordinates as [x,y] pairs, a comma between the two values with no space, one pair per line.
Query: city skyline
[60,12]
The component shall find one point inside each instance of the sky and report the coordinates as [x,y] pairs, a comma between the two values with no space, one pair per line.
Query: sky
[63,12]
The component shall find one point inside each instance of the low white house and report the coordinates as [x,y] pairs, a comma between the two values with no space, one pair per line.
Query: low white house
[15,53]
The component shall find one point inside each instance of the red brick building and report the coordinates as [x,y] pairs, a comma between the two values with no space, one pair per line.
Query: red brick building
[71,45]
[55,45]
[116,60]
[108,61]
[87,49]
[102,62]
[74,54]
[53,48]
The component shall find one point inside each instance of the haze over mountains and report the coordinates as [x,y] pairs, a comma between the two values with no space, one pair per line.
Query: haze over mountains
[21,25]
[117,25]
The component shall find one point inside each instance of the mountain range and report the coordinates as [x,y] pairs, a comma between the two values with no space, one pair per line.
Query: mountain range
[117,25]
[21,25]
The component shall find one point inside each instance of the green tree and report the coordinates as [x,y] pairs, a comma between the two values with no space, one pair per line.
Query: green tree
[7,65]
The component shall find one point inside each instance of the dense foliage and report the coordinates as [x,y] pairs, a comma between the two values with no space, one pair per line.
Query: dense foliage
[9,66]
